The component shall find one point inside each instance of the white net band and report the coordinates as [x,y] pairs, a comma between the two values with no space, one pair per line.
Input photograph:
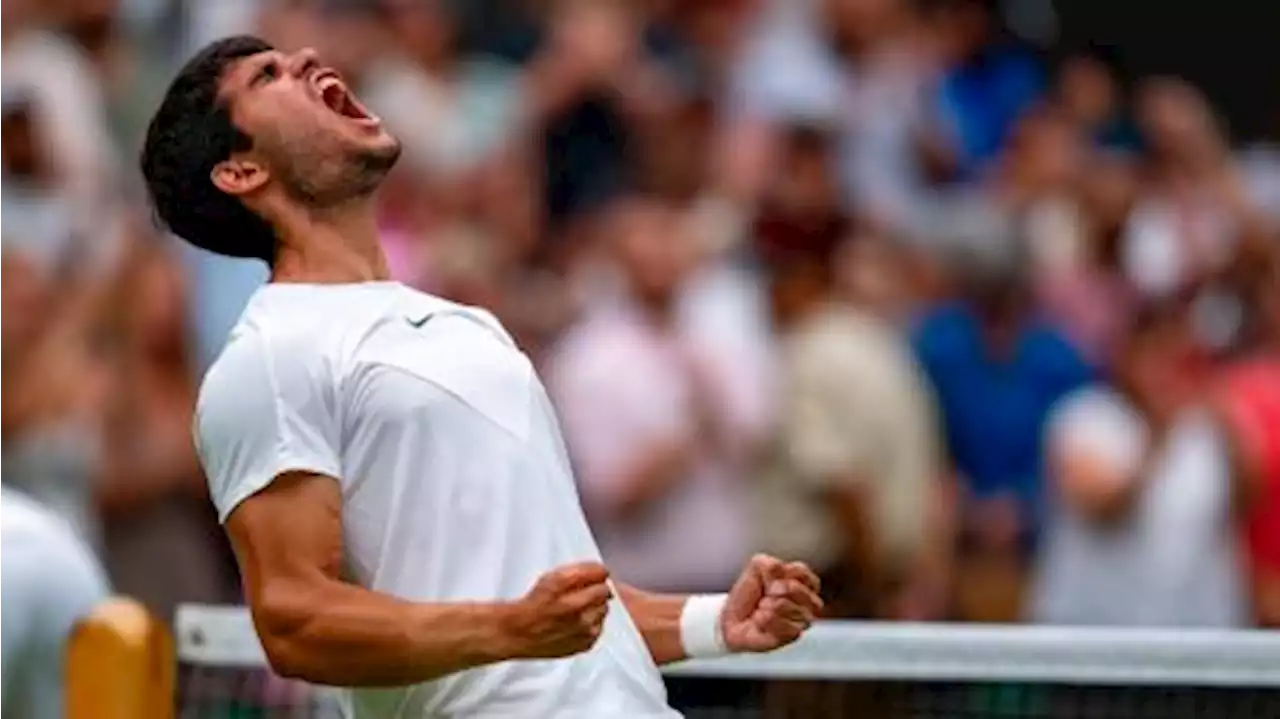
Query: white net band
[223,637]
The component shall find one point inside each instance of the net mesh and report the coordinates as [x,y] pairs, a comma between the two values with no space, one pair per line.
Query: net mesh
[848,669]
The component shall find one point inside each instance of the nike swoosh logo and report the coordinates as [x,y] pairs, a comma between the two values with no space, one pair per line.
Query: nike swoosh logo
[417,324]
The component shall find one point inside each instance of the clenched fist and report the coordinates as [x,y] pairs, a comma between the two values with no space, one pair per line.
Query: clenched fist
[770,606]
[563,614]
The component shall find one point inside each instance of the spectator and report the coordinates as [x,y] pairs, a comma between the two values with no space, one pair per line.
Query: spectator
[600,73]
[40,215]
[850,481]
[895,143]
[857,469]
[1196,212]
[1027,203]
[1142,531]
[154,505]
[56,380]
[1247,401]
[1036,182]
[450,111]
[997,370]
[863,67]
[989,84]
[67,102]
[1086,291]
[660,455]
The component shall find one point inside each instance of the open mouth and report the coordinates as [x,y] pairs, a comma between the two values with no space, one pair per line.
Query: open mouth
[335,96]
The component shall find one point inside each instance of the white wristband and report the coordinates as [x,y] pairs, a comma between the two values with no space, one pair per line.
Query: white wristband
[700,632]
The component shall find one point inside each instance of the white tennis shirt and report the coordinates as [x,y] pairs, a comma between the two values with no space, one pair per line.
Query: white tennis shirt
[50,581]
[455,481]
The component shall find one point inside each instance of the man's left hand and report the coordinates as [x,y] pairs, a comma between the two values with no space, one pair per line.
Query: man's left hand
[770,606]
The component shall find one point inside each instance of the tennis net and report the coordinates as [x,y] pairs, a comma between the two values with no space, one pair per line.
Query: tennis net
[849,669]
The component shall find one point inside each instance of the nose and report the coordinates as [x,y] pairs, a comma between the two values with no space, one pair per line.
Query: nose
[302,61]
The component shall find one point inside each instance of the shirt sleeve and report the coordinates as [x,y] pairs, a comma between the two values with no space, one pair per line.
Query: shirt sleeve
[264,411]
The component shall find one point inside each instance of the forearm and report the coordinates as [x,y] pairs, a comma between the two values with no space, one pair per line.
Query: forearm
[657,616]
[341,634]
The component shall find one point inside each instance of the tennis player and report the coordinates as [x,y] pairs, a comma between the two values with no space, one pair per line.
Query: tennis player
[49,581]
[386,463]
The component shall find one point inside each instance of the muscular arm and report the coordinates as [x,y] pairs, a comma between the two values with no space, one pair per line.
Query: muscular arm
[657,616]
[316,627]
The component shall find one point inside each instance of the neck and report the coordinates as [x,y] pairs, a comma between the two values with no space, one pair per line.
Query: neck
[330,247]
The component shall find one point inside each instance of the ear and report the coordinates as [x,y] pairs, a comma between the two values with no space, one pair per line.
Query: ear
[238,176]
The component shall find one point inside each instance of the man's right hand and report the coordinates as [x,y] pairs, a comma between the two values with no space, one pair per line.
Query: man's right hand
[563,614]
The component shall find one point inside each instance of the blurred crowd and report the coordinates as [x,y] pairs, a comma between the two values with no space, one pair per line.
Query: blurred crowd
[973,324]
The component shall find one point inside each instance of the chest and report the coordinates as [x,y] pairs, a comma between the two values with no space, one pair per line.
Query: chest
[446,370]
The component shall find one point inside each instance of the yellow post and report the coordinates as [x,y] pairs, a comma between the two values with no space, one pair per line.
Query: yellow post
[120,665]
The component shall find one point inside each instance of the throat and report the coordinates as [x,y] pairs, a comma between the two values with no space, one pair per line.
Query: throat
[330,247]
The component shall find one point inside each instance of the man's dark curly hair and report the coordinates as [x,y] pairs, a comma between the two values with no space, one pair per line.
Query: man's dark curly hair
[189,135]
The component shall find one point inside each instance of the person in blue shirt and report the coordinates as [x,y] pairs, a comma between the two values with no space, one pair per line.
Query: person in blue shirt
[990,83]
[996,370]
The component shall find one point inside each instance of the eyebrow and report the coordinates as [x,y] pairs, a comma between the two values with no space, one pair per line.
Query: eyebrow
[238,78]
